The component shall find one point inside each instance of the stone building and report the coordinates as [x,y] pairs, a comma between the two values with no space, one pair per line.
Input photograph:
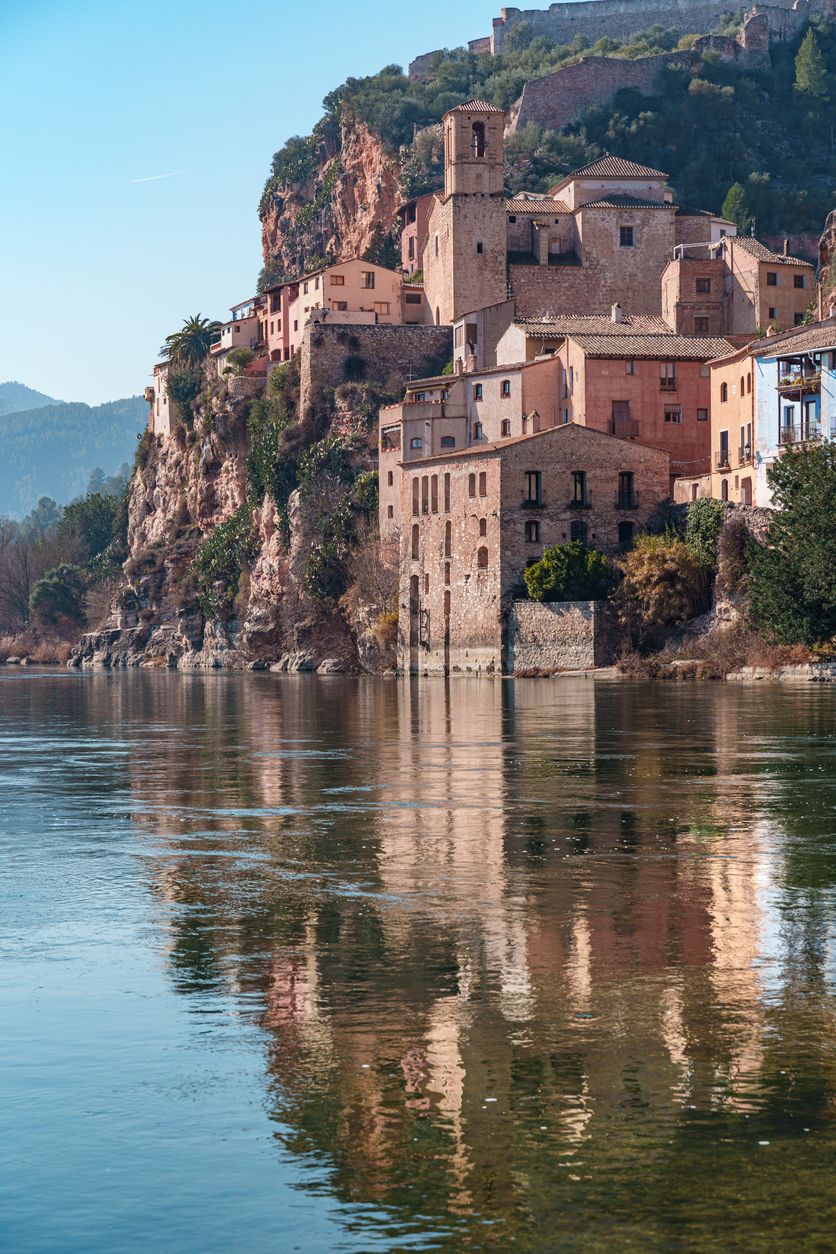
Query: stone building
[414,218]
[735,286]
[732,429]
[473,520]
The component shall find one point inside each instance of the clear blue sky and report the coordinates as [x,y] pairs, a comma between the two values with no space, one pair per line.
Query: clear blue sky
[97,267]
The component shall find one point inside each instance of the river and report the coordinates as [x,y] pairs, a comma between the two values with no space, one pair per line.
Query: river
[327,964]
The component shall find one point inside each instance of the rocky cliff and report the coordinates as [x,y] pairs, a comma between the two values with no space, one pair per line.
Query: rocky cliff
[247,531]
[347,195]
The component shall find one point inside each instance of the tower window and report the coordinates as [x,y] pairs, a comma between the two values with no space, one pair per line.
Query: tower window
[480,247]
[477,142]
[626,237]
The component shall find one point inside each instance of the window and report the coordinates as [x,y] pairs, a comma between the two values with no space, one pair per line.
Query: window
[425,494]
[532,531]
[416,442]
[471,485]
[483,526]
[448,441]
[748,382]
[415,494]
[410,250]
[367,279]
[477,140]
[390,512]
[275,304]
[702,415]
[771,278]
[772,312]
[480,247]
[506,426]
[798,280]
[316,284]
[724,392]
[381,306]
[448,539]
[483,483]
[625,535]
[630,367]
[415,541]
[668,376]
[305,289]
[579,531]
[341,306]
[447,594]
[512,219]
[447,495]
[724,490]
[798,319]
[482,558]
[295,324]
[434,493]
[413,298]
[626,239]
[703,286]
[626,489]
[478,431]
[390,479]
[701,326]
[505,387]
[477,391]
[579,487]
[673,413]
[533,487]
[436,245]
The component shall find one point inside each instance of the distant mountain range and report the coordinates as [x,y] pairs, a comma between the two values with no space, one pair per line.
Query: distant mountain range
[50,448]
[15,397]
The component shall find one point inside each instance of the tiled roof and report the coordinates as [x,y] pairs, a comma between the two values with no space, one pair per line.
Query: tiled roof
[686,211]
[659,347]
[756,249]
[497,446]
[590,324]
[626,202]
[800,340]
[529,203]
[616,168]
[476,106]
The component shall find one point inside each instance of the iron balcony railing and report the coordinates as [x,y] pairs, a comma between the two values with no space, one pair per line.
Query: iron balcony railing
[627,500]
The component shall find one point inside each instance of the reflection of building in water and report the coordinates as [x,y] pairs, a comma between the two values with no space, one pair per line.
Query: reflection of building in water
[558,895]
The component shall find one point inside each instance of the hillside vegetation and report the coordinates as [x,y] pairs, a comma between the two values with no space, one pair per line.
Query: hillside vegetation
[53,450]
[768,130]
[15,397]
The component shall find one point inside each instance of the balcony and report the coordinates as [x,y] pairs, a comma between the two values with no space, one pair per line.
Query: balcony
[800,382]
[800,434]
[722,461]
[534,503]
[624,428]
[627,500]
[581,503]
[744,455]
[668,385]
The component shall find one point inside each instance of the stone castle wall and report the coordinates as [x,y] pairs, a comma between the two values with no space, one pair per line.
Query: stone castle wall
[619,19]
[386,355]
[564,636]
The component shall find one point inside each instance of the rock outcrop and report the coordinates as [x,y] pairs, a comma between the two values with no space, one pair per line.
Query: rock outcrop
[827,264]
[337,210]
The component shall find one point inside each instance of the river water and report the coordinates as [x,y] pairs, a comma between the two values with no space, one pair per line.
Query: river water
[327,964]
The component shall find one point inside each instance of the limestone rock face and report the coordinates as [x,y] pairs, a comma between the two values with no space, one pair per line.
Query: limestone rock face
[355,189]
[827,263]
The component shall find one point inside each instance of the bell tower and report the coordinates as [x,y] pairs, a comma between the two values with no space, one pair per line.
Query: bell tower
[465,258]
[474,150]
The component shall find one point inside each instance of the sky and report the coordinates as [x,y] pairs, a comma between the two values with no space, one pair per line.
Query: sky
[135,140]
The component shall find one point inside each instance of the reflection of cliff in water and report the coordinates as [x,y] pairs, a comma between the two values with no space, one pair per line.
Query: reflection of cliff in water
[516,948]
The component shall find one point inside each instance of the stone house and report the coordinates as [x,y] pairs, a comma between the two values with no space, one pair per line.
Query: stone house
[275,319]
[160,414]
[473,520]
[735,286]
[414,218]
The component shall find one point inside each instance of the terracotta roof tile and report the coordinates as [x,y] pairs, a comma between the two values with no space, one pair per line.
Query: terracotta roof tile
[476,106]
[496,446]
[655,346]
[616,168]
[800,340]
[569,324]
[756,249]
[627,202]
[525,202]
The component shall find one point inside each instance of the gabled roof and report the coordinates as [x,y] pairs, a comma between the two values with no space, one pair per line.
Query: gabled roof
[590,324]
[476,106]
[815,338]
[687,211]
[611,168]
[654,346]
[498,446]
[760,251]
[534,202]
[625,202]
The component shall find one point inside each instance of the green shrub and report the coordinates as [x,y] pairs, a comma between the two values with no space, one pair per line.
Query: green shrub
[59,597]
[793,574]
[570,572]
[183,390]
[221,560]
[702,529]
[239,359]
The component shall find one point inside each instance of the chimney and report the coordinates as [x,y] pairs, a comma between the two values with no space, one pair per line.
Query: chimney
[786,248]
[617,313]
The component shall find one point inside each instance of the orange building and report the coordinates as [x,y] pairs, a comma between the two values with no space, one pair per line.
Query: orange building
[733,428]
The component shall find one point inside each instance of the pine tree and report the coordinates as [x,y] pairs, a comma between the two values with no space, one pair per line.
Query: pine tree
[810,69]
[737,209]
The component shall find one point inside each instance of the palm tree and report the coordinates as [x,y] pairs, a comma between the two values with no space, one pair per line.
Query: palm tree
[189,346]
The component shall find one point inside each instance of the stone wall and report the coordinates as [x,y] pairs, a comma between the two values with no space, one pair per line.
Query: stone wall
[564,636]
[386,355]
[620,19]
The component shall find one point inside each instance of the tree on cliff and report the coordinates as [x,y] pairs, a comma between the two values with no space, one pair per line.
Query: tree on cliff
[188,347]
[811,77]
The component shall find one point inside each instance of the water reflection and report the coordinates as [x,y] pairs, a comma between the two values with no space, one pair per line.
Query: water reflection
[539,964]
